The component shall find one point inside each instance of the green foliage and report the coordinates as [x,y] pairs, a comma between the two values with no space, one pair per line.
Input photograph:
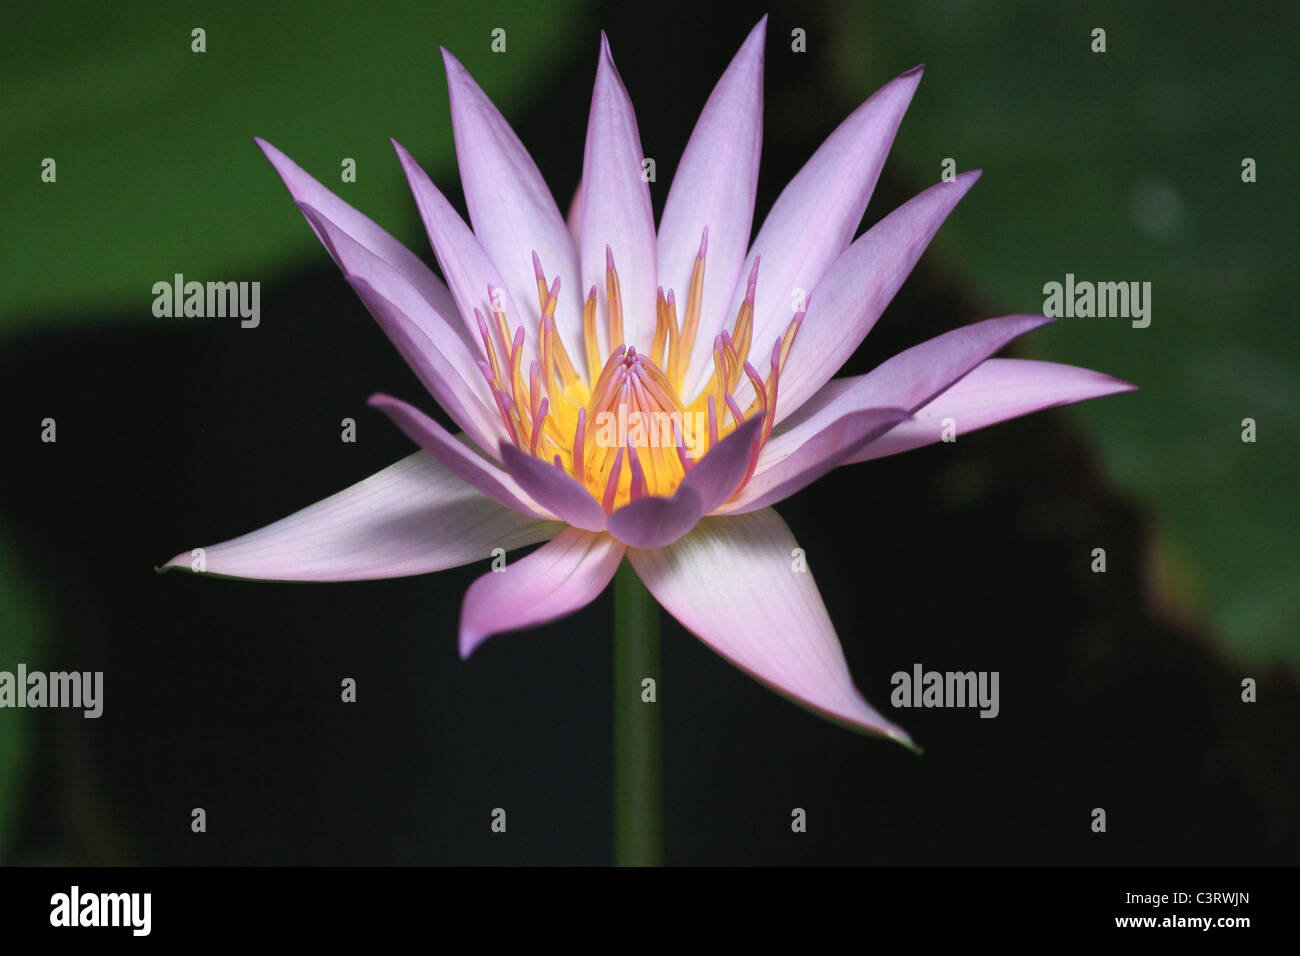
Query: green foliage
[1127,165]
[20,627]
[157,172]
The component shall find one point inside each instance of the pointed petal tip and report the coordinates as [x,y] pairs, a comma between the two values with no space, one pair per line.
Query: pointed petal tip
[382,400]
[881,728]
[606,68]
[460,82]
[962,183]
[276,157]
[1023,322]
[557,580]
[468,641]
[404,158]
[901,737]
[182,562]
[270,150]
[404,155]
[902,87]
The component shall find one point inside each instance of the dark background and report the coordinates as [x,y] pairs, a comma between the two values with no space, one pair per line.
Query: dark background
[1119,690]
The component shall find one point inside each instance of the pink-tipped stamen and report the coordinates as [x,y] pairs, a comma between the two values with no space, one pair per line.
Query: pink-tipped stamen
[734,406]
[611,486]
[580,445]
[539,418]
[638,476]
[679,441]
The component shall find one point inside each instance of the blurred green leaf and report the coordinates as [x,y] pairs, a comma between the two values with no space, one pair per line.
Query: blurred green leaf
[157,172]
[20,629]
[1126,166]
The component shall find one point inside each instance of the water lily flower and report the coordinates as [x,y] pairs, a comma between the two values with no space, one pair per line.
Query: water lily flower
[626,392]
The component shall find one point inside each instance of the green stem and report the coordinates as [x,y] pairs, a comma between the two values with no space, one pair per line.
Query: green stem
[638,759]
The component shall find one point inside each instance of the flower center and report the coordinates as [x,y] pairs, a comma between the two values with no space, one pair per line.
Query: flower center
[624,430]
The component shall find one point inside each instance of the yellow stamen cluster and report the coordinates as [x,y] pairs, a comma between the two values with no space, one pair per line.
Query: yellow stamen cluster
[623,429]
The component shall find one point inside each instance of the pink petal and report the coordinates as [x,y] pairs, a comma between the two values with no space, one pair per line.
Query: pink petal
[998,390]
[616,207]
[428,318]
[855,290]
[731,583]
[908,380]
[818,213]
[554,581]
[553,489]
[411,518]
[513,211]
[714,187]
[456,456]
[655,522]
[307,190]
[468,268]
[824,451]
[717,474]
[573,219]
[441,359]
